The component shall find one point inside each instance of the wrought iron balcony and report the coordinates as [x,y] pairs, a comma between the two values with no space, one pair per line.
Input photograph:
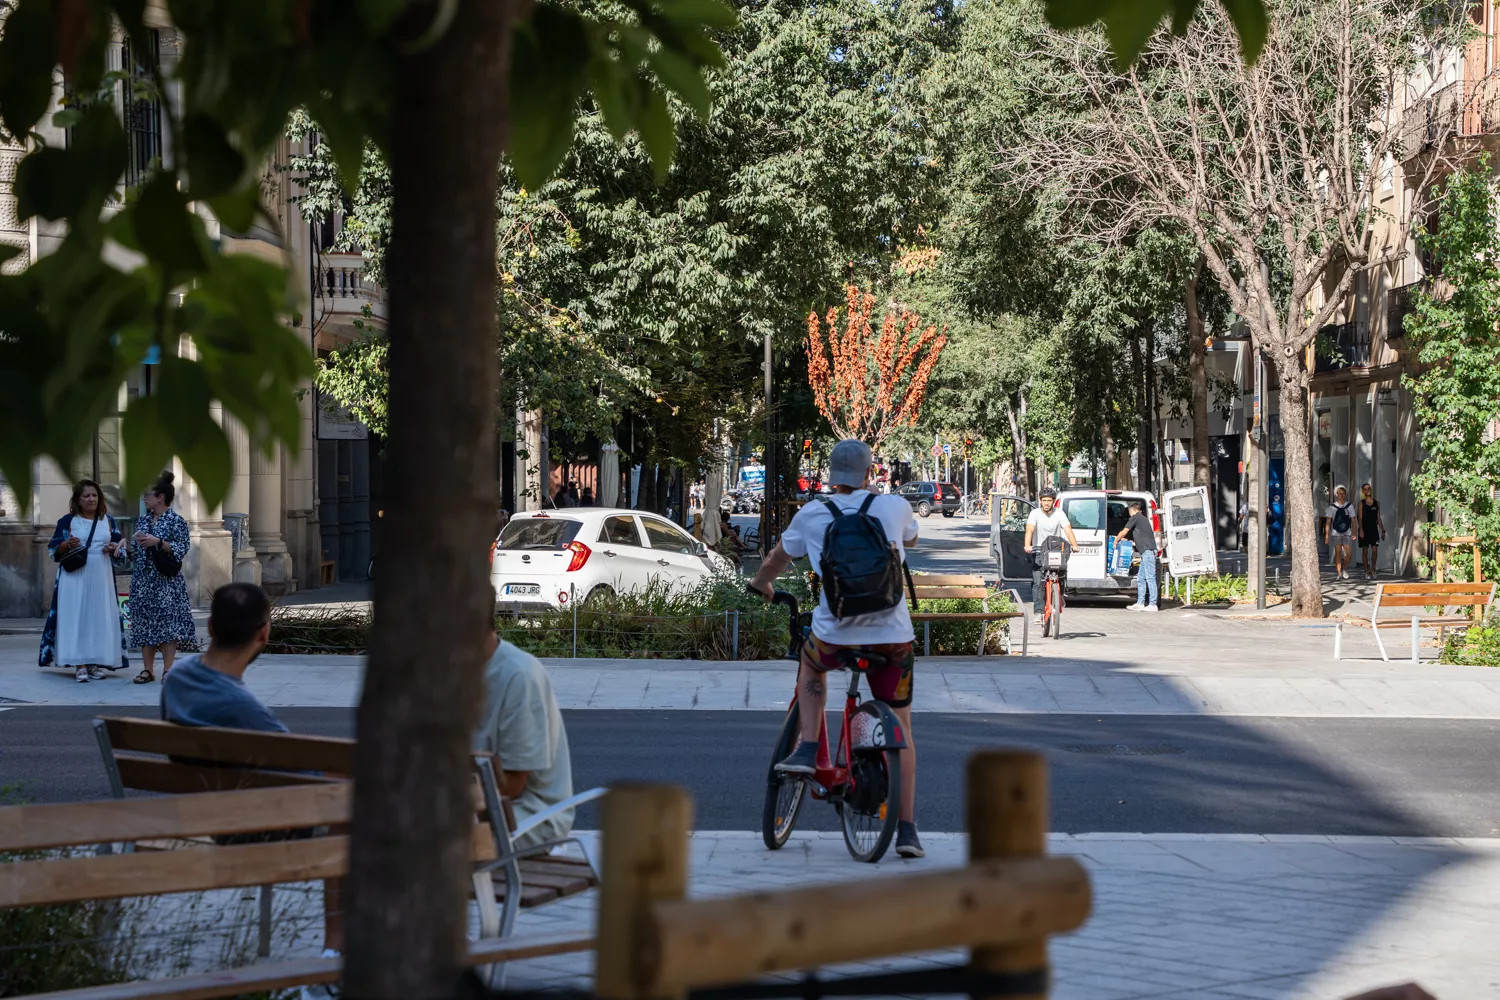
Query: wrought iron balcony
[1343,345]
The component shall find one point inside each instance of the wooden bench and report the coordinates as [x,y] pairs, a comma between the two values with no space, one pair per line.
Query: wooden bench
[155,756]
[1477,596]
[938,587]
[81,862]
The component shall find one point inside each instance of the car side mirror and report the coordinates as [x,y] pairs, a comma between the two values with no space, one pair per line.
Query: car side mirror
[702,549]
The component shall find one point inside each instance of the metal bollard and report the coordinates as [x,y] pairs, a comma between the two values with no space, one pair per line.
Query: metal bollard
[1416,636]
[735,635]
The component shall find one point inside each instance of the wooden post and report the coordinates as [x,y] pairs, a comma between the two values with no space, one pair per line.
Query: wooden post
[645,859]
[1006,816]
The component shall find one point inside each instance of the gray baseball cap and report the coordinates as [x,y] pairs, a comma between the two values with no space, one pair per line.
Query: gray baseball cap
[849,462]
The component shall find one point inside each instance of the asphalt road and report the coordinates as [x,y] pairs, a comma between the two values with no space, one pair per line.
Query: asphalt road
[1395,777]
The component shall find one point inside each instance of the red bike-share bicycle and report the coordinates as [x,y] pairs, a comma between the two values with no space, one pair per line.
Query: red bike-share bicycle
[861,777]
[1053,558]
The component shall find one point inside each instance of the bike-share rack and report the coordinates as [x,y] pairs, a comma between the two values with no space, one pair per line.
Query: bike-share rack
[655,944]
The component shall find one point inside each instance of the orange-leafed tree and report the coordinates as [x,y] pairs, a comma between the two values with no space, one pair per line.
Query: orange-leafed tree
[868,384]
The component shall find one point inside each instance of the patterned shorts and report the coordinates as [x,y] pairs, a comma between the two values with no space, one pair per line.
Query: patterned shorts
[890,683]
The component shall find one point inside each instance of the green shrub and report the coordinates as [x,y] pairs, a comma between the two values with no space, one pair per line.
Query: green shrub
[1219,589]
[1478,646]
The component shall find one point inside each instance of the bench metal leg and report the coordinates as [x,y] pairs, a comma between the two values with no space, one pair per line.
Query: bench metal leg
[1025,631]
[1338,635]
[263,946]
[927,638]
[1416,636]
[1379,644]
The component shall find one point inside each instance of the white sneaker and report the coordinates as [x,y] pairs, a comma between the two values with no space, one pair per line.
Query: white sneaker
[1150,607]
[1136,607]
[81,675]
[1344,575]
[96,673]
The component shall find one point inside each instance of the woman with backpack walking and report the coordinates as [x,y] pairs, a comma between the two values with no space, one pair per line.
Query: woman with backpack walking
[1338,533]
[1371,530]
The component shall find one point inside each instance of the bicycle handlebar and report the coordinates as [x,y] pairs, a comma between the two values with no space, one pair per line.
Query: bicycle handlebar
[793,620]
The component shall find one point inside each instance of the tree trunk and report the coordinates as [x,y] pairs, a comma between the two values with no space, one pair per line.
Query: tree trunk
[645,492]
[663,489]
[1198,379]
[409,859]
[1307,590]
[1143,423]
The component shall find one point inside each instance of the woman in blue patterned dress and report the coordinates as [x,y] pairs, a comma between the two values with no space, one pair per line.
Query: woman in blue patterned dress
[160,614]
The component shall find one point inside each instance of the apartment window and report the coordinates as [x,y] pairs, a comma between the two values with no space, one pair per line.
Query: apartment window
[142,108]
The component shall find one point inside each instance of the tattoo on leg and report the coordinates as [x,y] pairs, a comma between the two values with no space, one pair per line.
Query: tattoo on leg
[814,686]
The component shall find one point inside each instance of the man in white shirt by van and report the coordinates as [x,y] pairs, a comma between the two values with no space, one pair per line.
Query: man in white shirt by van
[1044,522]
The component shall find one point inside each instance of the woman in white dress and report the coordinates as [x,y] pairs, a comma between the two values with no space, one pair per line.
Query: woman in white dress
[84,631]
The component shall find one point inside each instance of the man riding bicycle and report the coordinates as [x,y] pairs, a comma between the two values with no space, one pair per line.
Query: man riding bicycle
[1047,521]
[887,635]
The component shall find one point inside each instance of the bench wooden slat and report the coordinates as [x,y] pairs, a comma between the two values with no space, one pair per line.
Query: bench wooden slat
[177,816]
[947,579]
[1436,588]
[272,976]
[951,593]
[1406,622]
[197,869]
[938,616]
[117,876]
[158,774]
[245,747]
[1423,599]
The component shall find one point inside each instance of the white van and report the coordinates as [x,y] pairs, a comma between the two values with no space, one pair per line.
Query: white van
[1095,515]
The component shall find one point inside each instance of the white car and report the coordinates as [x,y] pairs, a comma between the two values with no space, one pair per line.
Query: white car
[1095,515]
[551,558]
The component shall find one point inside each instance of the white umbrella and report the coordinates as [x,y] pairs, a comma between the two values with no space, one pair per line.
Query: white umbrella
[609,475]
[712,492]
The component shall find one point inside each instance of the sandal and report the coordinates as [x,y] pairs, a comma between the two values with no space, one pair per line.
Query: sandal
[144,677]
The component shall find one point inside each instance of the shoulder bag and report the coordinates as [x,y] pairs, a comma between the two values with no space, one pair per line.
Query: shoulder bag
[166,563]
[79,557]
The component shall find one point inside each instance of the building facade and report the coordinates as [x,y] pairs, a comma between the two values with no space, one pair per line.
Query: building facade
[294,517]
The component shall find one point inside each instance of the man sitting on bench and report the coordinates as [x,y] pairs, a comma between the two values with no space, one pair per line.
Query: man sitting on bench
[523,726]
[209,690]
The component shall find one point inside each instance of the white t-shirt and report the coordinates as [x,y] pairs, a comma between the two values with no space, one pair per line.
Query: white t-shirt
[1332,512]
[1047,525]
[804,537]
[524,727]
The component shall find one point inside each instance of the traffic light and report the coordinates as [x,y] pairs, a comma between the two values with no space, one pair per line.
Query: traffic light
[807,448]
[968,446]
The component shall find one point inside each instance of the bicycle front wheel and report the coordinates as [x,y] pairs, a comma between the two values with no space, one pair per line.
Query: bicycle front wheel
[784,792]
[1057,609]
[871,804]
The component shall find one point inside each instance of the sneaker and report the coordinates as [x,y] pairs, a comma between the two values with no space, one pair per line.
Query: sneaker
[1136,607]
[908,844]
[96,673]
[81,675]
[1344,575]
[1150,607]
[803,760]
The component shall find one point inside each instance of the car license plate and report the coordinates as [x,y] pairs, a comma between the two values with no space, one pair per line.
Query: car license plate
[523,589]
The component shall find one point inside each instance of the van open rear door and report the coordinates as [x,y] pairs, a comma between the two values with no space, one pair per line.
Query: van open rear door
[1008,536]
[1188,527]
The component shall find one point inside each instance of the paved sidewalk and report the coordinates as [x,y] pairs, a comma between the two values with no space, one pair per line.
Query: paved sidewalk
[1187,673]
[1180,917]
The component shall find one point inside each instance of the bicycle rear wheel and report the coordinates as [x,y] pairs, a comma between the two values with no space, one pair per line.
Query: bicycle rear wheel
[871,803]
[784,792]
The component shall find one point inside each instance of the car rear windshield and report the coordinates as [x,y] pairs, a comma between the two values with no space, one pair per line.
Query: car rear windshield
[539,533]
[950,491]
[1085,513]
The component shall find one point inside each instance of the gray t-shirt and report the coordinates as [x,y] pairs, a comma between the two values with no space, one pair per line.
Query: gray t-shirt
[523,726]
[195,694]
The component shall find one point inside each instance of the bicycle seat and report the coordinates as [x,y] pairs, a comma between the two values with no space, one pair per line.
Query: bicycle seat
[861,660]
